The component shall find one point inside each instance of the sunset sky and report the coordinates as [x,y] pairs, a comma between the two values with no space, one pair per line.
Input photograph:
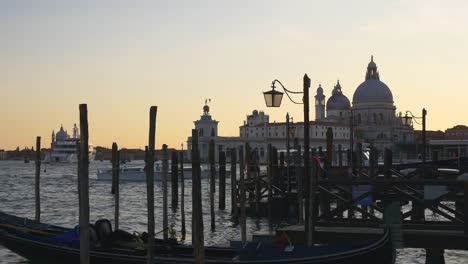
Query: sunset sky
[121,57]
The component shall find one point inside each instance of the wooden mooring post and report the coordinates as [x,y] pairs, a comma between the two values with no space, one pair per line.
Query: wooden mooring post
[271,168]
[222,181]
[197,211]
[243,196]
[388,159]
[212,183]
[150,183]
[340,156]
[37,181]
[329,148]
[116,182]
[299,182]
[83,182]
[165,168]
[233,182]
[174,180]
[182,193]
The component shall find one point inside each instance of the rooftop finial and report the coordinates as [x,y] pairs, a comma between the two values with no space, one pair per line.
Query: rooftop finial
[372,58]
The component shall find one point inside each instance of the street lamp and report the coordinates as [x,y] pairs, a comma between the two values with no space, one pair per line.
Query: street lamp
[423,117]
[273,99]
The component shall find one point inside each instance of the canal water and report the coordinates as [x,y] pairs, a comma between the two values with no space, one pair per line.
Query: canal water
[59,202]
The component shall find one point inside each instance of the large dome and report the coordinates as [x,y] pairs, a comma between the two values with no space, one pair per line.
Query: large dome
[372,91]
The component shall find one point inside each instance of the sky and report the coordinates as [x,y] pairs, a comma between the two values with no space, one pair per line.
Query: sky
[121,57]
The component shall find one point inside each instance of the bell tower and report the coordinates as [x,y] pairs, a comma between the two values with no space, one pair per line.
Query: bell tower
[319,104]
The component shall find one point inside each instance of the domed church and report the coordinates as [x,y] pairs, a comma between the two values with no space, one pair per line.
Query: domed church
[373,111]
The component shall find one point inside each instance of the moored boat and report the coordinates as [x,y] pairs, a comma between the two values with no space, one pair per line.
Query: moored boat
[37,241]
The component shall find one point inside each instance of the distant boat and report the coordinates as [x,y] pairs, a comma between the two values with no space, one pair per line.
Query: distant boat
[26,159]
[138,174]
[63,147]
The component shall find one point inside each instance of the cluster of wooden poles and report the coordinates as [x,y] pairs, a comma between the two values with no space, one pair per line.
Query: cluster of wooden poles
[177,160]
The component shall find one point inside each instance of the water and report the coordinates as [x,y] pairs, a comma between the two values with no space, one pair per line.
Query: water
[59,202]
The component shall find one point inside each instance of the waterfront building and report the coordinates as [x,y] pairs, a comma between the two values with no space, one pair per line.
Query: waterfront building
[259,132]
[373,112]
[3,154]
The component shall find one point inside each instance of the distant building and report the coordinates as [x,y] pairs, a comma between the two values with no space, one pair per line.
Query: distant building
[258,132]
[373,111]
[458,132]
[3,154]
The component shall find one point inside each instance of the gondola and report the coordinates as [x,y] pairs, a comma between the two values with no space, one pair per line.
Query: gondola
[45,243]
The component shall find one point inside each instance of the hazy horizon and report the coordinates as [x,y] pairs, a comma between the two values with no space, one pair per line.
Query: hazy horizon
[121,57]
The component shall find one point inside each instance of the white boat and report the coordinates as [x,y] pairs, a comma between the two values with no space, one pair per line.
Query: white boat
[139,174]
[63,147]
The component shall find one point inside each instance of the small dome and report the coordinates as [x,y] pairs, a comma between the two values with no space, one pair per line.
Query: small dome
[255,112]
[338,101]
[320,89]
[61,135]
[372,91]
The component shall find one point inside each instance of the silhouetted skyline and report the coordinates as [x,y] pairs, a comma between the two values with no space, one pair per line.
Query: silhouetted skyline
[121,57]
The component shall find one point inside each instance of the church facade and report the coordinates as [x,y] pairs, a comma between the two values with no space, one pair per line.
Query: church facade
[371,118]
[372,113]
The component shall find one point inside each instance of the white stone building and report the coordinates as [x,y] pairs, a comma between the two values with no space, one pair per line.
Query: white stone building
[258,131]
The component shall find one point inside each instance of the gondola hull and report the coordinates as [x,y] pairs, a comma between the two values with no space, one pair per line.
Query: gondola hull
[29,247]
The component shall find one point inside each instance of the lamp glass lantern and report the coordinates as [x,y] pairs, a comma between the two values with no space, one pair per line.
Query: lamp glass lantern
[407,120]
[273,98]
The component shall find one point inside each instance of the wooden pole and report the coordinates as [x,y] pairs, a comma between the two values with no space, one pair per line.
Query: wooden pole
[424,113]
[197,212]
[280,180]
[340,156]
[182,193]
[388,163]
[359,158]
[113,162]
[465,213]
[222,180]
[233,182]
[37,185]
[372,159]
[150,183]
[271,168]
[174,180]
[165,168]
[83,177]
[306,87]
[312,210]
[288,155]
[256,176]
[212,183]
[243,198]
[116,182]
[299,177]
[329,148]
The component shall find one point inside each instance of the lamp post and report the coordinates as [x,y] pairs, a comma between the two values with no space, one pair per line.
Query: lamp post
[273,99]
[423,136]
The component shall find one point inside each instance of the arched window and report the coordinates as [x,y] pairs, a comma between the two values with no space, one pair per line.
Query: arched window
[200,132]
[212,132]
[359,119]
